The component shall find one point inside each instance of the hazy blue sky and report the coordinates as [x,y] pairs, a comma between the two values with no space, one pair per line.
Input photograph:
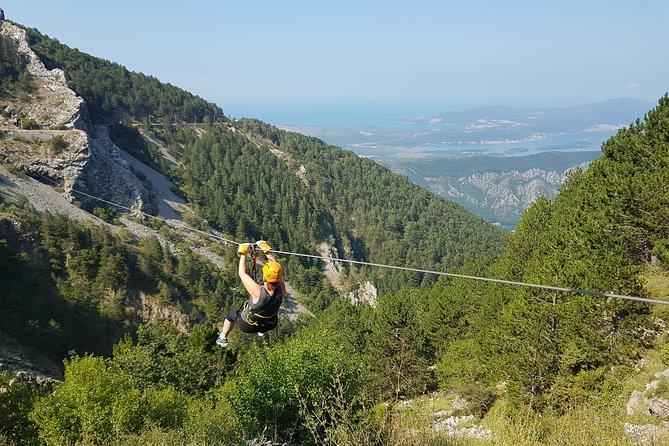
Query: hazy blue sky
[259,57]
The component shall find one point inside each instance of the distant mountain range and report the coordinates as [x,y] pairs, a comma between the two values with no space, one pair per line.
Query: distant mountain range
[496,129]
[493,160]
[498,188]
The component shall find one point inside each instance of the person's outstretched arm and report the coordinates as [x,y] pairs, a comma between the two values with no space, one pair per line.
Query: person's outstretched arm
[251,286]
[266,249]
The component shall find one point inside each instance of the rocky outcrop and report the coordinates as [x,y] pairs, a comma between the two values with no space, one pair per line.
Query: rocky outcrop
[514,189]
[149,311]
[25,366]
[107,175]
[653,403]
[365,293]
[461,427]
[62,147]
[500,196]
[647,434]
[333,271]
[508,192]
[53,103]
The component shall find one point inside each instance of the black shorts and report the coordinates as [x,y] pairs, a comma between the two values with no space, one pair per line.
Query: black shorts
[235,315]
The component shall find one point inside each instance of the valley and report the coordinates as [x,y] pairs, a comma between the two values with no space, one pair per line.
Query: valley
[495,161]
[110,318]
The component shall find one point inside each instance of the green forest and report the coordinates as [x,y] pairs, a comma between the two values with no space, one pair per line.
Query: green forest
[323,379]
[535,366]
[240,187]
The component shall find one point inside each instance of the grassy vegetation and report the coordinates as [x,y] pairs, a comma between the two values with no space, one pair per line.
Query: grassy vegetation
[601,421]
[657,282]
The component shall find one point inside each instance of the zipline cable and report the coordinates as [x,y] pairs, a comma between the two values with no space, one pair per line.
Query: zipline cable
[483,279]
[380,265]
[165,220]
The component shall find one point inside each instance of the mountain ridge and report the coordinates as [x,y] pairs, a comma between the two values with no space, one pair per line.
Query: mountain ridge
[530,364]
[195,156]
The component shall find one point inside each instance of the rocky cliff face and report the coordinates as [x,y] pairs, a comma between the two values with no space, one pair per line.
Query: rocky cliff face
[500,196]
[51,103]
[44,131]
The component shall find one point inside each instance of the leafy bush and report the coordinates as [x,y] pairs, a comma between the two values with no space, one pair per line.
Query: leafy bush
[92,404]
[334,420]
[106,214]
[29,124]
[164,358]
[126,235]
[661,250]
[664,354]
[282,385]
[572,391]
[16,401]
[166,407]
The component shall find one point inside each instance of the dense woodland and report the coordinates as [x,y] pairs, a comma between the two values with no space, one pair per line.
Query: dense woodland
[80,279]
[242,188]
[339,377]
[371,214]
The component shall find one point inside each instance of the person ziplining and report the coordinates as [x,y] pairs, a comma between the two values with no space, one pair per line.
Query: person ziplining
[260,313]
[248,247]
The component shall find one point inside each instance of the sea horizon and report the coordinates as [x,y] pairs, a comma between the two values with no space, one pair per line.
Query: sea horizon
[363,113]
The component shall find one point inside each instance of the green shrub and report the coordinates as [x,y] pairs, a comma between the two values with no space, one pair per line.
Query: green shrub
[162,357]
[126,235]
[166,407]
[286,383]
[661,250]
[460,365]
[28,124]
[92,404]
[16,401]
[572,391]
[664,354]
[212,421]
[106,214]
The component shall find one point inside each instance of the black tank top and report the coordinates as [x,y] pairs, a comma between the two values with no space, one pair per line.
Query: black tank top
[265,309]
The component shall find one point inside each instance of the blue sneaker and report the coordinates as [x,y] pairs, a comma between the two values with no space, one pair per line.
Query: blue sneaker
[222,341]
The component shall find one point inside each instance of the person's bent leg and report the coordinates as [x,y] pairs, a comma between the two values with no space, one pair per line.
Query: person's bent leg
[228,325]
[227,328]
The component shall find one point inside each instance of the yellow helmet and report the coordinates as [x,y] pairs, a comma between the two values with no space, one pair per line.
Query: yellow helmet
[272,272]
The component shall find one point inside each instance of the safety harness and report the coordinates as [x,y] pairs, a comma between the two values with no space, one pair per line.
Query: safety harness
[256,318]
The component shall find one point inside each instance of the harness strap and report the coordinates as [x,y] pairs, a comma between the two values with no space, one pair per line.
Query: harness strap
[253,269]
[249,313]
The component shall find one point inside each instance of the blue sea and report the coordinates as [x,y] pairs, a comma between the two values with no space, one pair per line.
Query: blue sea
[401,129]
[334,113]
